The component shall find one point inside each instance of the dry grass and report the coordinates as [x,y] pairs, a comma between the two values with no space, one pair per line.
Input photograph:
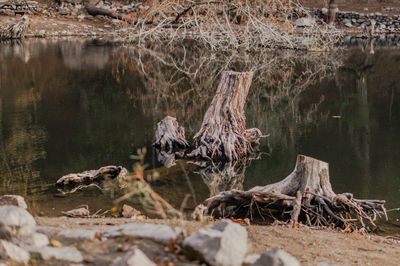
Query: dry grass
[228,25]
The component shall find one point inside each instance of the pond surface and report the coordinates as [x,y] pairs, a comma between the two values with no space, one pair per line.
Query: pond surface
[73,105]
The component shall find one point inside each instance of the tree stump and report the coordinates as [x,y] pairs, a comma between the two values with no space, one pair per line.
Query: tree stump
[306,195]
[169,135]
[223,132]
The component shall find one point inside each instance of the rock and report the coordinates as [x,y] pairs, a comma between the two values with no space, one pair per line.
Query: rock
[130,212]
[305,22]
[9,251]
[48,230]
[14,200]
[276,257]
[324,10]
[17,221]
[156,232]
[225,243]
[34,240]
[5,233]
[250,259]
[81,212]
[64,253]
[78,233]
[133,258]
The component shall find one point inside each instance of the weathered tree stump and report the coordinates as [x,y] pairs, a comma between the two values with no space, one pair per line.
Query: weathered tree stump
[223,132]
[306,195]
[223,135]
[169,135]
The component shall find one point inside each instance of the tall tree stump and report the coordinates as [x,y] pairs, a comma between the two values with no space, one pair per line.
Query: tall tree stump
[223,132]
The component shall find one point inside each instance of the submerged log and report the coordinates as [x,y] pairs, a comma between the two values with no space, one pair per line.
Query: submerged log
[91,176]
[306,196]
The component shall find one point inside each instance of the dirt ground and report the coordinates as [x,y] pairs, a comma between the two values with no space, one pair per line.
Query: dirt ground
[309,246]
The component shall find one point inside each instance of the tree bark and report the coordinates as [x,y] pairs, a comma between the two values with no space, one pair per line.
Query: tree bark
[319,204]
[223,132]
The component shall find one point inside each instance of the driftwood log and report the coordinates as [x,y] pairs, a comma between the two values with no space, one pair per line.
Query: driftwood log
[91,176]
[305,196]
[223,135]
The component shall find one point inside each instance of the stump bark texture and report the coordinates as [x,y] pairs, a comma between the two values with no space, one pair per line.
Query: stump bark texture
[223,132]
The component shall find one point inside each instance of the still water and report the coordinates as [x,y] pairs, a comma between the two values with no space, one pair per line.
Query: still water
[73,105]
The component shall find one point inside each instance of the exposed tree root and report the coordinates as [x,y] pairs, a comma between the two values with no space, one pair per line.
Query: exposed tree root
[304,196]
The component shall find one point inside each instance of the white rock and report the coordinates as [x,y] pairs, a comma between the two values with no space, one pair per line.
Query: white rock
[223,244]
[78,233]
[250,259]
[48,230]
[305,22]
[156,232]
[15,200]
[133,258]
[63,253]
[276,257]
[17,221]
[324,10]
[34,240]
[12,252]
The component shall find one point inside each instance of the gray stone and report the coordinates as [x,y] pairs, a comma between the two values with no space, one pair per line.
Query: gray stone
[14,200]
[9,251]
[62,253]
[156,232]
[34,240]
[225,243]
[48,230]
[276,257]
[305,22]
[133,258]
[17,221]
[250,259]
[77,233]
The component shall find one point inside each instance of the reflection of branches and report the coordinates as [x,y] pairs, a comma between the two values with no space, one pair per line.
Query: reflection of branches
[223,176]
[181,82]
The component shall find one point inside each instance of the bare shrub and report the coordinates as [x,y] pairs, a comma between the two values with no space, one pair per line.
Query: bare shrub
[235,24]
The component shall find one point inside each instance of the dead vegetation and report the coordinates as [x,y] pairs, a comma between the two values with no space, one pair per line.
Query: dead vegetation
[230,25]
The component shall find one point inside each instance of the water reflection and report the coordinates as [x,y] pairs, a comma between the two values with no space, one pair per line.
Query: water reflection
[76,105]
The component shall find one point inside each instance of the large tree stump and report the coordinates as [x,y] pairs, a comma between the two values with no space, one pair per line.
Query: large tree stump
[223,132]
[306,195]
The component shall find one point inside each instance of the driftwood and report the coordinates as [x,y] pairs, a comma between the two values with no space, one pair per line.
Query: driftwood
[223,135]
[91,176]
[304,196]
[15,30]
